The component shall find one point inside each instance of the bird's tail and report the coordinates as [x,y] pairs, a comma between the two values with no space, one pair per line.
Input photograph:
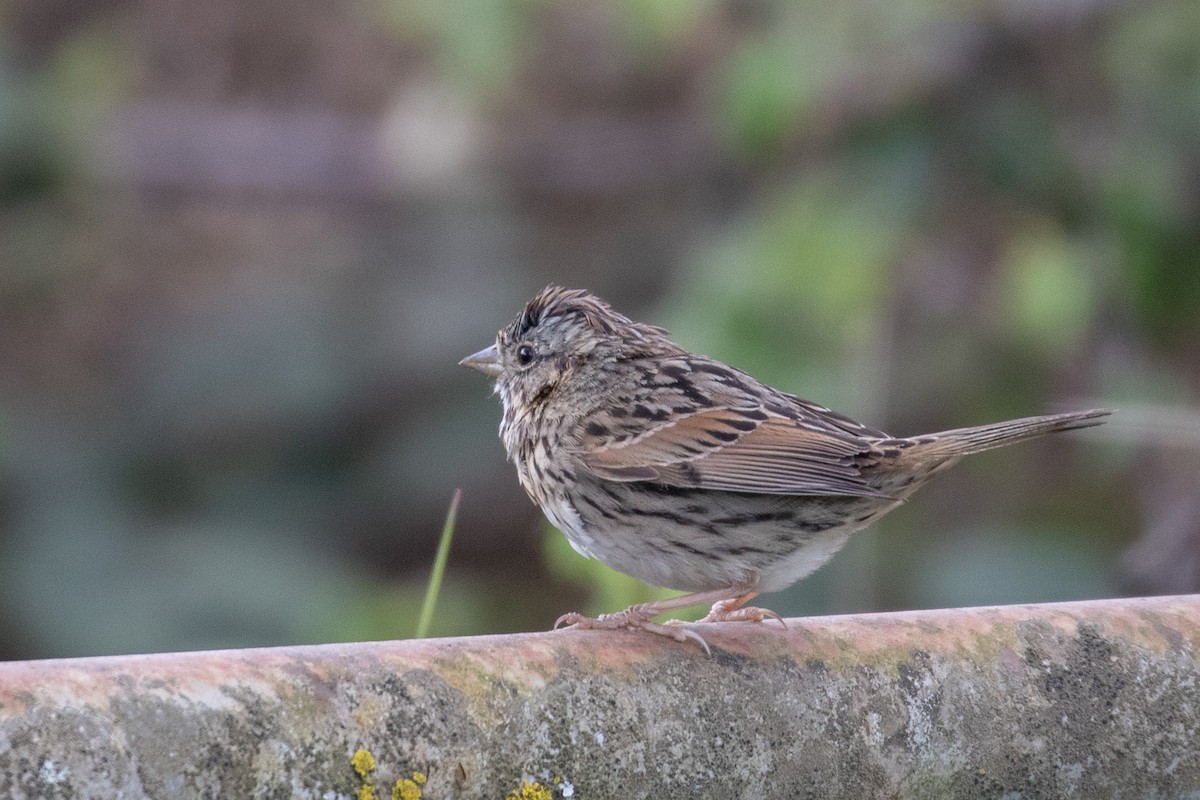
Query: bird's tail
[964,441]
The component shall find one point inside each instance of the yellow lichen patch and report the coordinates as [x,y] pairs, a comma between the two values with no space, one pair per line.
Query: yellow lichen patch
[530,791]
[363,762]
[406,789]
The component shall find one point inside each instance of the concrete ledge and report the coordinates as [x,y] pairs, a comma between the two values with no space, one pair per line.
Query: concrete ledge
[1091,700]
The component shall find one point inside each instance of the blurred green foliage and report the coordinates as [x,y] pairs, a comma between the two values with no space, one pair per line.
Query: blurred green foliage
[477,45]
[789,294]
[1051,295]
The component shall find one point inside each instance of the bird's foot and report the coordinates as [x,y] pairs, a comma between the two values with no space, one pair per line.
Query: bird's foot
[732,610]
[633,617]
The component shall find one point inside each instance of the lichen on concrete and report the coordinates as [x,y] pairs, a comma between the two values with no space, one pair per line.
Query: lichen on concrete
[1086,700]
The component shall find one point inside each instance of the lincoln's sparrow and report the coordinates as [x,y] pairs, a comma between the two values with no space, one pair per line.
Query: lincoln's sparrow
[687,473]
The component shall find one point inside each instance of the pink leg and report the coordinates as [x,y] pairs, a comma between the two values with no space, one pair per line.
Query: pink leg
[727,607]
[734,609]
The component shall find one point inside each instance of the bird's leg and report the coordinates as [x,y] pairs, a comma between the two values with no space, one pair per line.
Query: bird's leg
[727,607]
[734,609]
[632,617]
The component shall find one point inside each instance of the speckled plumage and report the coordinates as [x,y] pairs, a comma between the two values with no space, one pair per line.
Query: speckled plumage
[688,473]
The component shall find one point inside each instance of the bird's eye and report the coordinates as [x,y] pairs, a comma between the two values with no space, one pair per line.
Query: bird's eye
[524,354]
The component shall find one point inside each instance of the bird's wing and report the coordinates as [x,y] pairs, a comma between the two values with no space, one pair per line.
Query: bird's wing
[736,450]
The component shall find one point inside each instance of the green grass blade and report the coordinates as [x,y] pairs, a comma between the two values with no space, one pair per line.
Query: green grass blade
[439,567]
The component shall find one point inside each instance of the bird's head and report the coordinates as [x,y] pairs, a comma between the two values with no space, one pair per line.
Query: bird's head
[562,332]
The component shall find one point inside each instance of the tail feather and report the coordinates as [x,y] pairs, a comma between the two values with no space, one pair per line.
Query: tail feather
[964,441]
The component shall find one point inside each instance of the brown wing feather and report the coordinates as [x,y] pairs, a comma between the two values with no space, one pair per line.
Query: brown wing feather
[739,450]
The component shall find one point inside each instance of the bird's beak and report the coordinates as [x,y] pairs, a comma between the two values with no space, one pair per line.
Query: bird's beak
[486,361]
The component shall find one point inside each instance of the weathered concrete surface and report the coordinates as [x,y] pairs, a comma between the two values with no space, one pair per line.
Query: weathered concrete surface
[1088,700]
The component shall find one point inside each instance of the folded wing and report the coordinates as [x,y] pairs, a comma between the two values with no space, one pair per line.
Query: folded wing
[738,450]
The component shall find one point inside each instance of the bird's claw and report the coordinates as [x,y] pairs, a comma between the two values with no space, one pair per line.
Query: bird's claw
[573,619]
[723,613]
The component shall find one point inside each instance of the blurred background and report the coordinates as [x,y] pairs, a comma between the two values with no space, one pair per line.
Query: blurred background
[243,245]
